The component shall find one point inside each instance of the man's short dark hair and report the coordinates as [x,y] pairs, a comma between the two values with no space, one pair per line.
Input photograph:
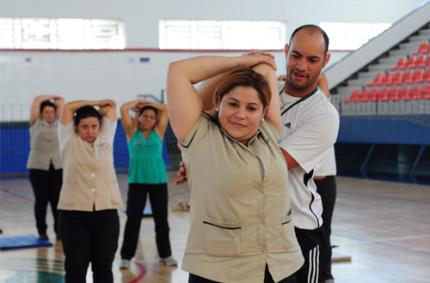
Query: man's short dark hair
[313,28]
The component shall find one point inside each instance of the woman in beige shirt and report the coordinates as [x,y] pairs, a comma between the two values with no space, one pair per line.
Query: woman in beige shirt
[90,197]
[241,229]
[44,161]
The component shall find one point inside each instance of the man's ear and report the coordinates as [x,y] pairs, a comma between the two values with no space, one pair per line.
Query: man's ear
[286,48]
[326,59]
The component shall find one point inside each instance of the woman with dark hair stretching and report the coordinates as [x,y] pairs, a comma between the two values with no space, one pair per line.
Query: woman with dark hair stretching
[241,227]
[44,160]
[147,175]
[90,197]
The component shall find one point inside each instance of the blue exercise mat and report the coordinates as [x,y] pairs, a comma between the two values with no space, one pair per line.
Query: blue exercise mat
[23,242]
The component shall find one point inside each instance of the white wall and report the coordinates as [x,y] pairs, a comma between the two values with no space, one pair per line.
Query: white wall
[141,16]
[120,75]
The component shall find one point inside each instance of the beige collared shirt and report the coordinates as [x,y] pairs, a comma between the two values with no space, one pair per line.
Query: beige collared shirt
[44,147]
[240,213]
[89,178]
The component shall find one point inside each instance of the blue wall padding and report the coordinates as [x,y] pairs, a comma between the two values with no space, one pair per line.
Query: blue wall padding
[410,130]
[14,147]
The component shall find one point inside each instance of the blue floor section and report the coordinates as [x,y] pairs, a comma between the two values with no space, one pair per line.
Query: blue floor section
[22,242]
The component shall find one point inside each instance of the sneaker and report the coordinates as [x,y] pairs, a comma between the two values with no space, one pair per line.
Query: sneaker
[124,264]
[169,261]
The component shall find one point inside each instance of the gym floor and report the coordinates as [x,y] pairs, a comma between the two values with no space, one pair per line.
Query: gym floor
[384,227]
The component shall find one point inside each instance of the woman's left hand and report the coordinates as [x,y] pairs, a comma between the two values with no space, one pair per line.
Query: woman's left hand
[255,58]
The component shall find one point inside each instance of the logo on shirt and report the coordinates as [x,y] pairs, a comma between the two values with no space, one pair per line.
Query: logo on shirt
[288,125]
[100,145]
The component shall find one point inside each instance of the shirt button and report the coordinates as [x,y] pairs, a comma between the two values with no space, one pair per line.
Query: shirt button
[93,190]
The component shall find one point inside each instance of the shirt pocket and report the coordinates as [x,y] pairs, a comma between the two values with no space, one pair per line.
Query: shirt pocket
[222,238]
[288,234]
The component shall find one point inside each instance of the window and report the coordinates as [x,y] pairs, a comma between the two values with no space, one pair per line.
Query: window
[351,36]
[29,33]
[221,34]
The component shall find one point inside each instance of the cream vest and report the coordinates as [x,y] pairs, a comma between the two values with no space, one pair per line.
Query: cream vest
[44,147]
[89,178]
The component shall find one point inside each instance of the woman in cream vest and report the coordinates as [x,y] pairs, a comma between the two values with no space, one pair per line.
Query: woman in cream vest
[44,161]
[241,228]
[90,197]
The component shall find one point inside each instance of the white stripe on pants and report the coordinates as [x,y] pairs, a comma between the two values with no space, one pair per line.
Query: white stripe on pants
[313,268]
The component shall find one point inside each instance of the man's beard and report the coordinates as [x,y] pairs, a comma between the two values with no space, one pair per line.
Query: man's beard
[297,86]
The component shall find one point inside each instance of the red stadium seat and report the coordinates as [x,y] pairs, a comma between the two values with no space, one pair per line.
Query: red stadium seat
[403,93]
[366,96]
[407,77]
[424,48]
[392,94]
[425,93]
[355,96]
[414,93]
[410,62]
[418,76]
[420,62]
[426,76]
[382,94]
[400,64]
[376,80]
[396,78]
[356,92]
[427,64]
[372,96]
[386,79]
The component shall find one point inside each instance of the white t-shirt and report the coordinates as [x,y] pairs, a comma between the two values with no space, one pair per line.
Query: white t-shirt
[327,167]
[309,129]
[66,131]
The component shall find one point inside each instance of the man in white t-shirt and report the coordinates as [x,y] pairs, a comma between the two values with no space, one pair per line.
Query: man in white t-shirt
[310,128]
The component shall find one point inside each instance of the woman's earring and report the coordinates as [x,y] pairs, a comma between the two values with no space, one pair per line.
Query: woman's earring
[216,109]
[263,119]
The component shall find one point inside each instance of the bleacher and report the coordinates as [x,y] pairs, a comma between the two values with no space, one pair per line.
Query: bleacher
[400,89]
[382,93]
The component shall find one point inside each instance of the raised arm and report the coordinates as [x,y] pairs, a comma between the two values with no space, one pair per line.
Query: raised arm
[323,85]
[130,125]
[273,112]
[106,108]
[35,106]
[184,103]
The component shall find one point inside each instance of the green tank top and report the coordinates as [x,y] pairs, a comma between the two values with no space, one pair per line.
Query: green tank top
[146,165]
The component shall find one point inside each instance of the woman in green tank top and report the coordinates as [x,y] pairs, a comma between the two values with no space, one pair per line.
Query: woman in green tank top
[146,176]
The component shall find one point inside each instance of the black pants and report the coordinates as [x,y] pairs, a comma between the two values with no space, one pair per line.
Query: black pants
[327,190]
[267,278]
[136,201]
[46,186]
[89,237]
[310,242]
